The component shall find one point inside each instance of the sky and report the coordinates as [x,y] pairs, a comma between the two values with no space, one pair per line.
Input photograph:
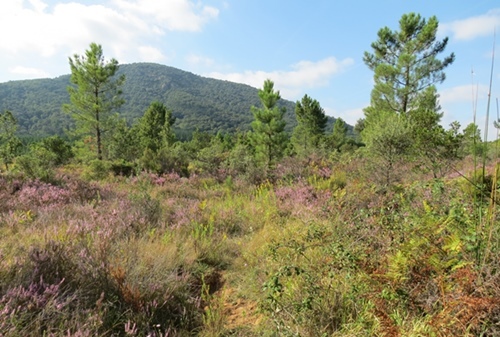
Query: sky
[314,47]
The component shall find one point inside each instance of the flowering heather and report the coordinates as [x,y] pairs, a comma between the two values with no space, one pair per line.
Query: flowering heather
[301,198]
[110,218]
[323,171]
[181,212]
[37,194]
[39,307]
[35,296]
[319,247]
[155,179]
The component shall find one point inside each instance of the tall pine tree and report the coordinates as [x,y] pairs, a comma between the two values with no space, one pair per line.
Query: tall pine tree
[311,123]
[268,137]
[95,94]
[404,98]
[405,63]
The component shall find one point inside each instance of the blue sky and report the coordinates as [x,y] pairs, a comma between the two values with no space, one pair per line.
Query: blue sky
[314,47]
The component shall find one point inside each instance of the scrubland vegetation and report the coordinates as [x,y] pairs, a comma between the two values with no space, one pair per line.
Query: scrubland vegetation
[122,230]
[321,250]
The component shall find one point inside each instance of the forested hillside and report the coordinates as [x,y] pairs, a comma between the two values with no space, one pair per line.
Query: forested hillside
[36,104]
[197,102]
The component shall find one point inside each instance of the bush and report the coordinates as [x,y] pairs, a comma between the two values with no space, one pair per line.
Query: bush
[97,170]
[38,163]
[311,287]
[123,168]
[59,147]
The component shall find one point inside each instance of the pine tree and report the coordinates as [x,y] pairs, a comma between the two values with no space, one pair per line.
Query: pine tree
[155,127]
[406,69]
[155,136]
[388,139]
[311,123]
[472,142]
[94,95]
[123,142]
[268,138]
[430,140]
[339,134]
[405,63]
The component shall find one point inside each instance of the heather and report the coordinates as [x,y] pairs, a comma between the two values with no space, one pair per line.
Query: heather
[322,252]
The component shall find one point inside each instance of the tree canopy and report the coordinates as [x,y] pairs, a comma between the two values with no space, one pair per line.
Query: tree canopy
[95,94]
[339,134]
[311,124]
[155,127]
[405,63]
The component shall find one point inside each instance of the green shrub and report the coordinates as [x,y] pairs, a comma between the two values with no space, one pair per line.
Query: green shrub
[59,147]
[312,286]
[97,170]
[38,163]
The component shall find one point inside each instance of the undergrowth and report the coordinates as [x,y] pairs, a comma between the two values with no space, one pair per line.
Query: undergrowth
[321,250]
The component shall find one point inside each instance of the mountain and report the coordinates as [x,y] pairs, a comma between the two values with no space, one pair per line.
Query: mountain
[197,102]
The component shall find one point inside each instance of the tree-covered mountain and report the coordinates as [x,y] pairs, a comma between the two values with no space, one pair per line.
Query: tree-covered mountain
[197,102]
[37,105]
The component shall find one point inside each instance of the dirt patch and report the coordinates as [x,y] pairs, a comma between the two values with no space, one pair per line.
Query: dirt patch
[239,312]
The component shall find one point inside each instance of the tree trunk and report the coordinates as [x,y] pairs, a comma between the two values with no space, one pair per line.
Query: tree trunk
[98,136]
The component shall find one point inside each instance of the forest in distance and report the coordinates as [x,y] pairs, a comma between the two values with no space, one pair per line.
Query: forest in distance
[142,200]
[198,103]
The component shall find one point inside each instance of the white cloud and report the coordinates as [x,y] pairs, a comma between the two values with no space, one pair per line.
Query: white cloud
[170,14]
[70,26]
[27,71]
[151,54]
[38,5]
[475,26]
[462,93]
[127,29]
[291,83]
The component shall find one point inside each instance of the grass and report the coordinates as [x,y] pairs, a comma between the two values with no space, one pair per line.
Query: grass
[322,252]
